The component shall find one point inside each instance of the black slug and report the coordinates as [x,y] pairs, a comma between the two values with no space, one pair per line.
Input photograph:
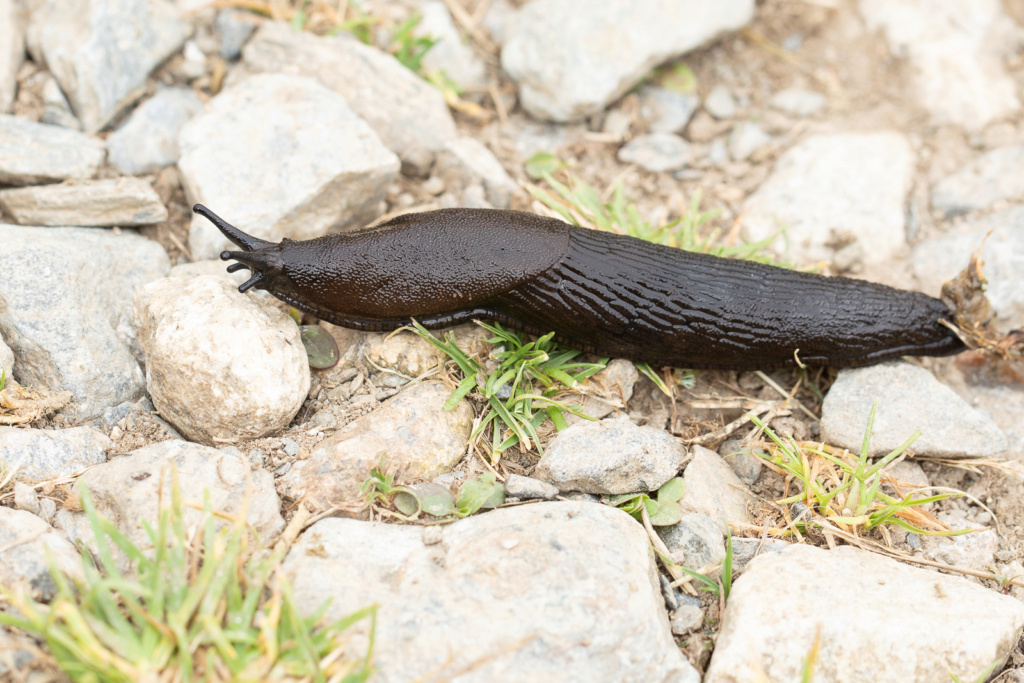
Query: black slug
[600,292]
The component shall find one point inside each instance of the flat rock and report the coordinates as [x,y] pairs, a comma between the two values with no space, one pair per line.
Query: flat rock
[746,549]
[798,102]
[410,355]
[956,53]
[656,152]
[413,433]
[529,488]
[33,153]
[695,542]
[909,398]
[583,611]
[449,54]
[720,103]
[12,51]
[74,38]
[740,457]
[68,310]
[833,188]
[291,160]
[118,201]
[604,392]
[28,544]
[939,259]
[959,627]
[971,551]
[148,140]
[408,114]
[571,58]
[996,175]
[611,456]
[43,454]
[665,110]
[128,489]
[220,366]
[746,139]
[713,489]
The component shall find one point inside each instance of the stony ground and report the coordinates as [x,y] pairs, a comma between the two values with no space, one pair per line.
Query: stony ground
[885,138]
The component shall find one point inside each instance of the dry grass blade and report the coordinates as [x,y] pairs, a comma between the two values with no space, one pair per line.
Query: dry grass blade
[19,405]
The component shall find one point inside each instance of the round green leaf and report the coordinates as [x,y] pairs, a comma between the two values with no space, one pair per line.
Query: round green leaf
[320,347]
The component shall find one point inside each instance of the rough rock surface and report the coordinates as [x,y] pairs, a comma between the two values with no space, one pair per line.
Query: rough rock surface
[102,62]
[119,201]
[411,431]
[270,175]
[836,188]
[656,152]
[42,454]
[572,57]
[6,360]
[909,399]
[148,141]
[713,489]
[12,51]
[408,114]
[27,543]
[33,153]
[465,161]
[939,259]
[220,367]
[522,593]
[993,176]
[449,54]
[127,490]
[799,101]
[696,541]
[959,627]
[956,51]
[610,456]
[68,305]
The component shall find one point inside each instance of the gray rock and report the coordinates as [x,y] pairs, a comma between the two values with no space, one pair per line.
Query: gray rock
[745,139]
[128,490]
[68,306]
[290,447]
[450,55]
[712,489]
[798,102]
[57,108]
[408,114]
[235,28]
[610,456]
[955,53]
[996,175]
[119,201]
[6,361]
[909,398]
[720,103]
[835,188]
[570,58]
[696,542]
[412,431]
[666,111]
[12,51]
[466,161]
[20,655]
[29,543]
[33,153]
[686,619]
[43,454]
[584,611]
[742,460]
[220,366]
[527,487]
[77,38]
[656,152]
[605,392]
[939,259]
[746,549]
[910,477]
[301,196]
[959,627]
[972,551]
[148,141]
[411,355]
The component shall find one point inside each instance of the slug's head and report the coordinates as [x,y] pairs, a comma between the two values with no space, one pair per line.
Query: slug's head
[262,258]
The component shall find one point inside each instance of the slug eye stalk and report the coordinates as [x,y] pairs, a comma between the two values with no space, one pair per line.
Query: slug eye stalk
[246,242]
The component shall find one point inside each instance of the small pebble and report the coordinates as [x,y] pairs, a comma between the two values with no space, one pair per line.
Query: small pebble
[433,185]
[282,470]
[290,447]
[720,103]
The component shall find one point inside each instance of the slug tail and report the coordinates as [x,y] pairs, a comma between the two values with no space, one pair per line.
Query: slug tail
[246,242]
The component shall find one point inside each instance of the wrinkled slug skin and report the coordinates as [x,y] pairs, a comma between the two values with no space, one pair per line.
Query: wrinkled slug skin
[603,293]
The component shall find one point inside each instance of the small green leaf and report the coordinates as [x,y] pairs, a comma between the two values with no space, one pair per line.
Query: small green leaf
[321,348]
[479,492]
[678,77]
[543,164]
[434,499]
[407,503]
[672,491]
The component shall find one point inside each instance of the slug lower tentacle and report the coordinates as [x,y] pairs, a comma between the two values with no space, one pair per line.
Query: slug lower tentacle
[599,292]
